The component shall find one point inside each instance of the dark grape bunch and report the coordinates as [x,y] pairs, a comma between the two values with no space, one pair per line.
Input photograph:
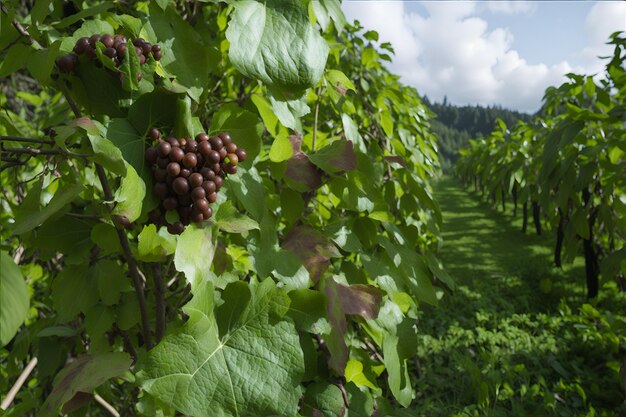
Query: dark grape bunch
[116,49]
[188,173]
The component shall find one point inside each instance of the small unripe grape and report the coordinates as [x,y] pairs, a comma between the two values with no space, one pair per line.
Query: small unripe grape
[232,159]
[182,142]
[195,180]
[180,186]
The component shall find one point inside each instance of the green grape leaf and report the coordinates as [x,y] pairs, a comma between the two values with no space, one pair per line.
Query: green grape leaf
[194,253]
[335,339]
[399,379]
[62,197]
[106,153]
[273,41]
[184,51]
[339,84]
[112,281]
[129,197]
[308,310]
[230,220]
[351,131]
[84,374]
[241,359]
[337,157]
[154,246]
[313,249]
[130,143]
[243,127]
[323,399]
[74,291]
[14,299]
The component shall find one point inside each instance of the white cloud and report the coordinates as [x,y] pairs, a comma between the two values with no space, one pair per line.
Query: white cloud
[452,52]
[603,19]
[511,7]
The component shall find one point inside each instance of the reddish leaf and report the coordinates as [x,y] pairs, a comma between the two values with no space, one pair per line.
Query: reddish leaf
[313,249]
[396,159]
[296,143]
[303,172]
[336,157]
[363,300]
[335,341]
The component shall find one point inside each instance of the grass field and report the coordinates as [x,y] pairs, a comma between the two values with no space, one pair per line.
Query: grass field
[517,337]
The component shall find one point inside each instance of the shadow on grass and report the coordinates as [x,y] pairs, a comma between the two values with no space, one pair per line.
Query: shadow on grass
[504,343]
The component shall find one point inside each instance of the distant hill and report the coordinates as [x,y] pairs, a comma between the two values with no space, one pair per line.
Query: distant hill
[456,125]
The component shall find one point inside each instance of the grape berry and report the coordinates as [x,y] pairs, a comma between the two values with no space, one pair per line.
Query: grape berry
[116,48]
[188,173]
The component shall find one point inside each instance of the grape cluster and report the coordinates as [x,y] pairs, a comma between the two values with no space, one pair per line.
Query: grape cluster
[188,173]
[116,48]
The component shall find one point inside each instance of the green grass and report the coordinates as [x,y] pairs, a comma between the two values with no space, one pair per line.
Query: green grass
[517,337]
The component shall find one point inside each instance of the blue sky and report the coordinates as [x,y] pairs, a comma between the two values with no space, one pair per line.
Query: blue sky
[491,52]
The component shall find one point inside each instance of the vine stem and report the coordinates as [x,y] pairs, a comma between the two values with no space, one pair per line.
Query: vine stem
[106,405]
[159,296]
[133,268]
[317,109]
[20,29]
[18,384]
[35,152]
[27,140]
